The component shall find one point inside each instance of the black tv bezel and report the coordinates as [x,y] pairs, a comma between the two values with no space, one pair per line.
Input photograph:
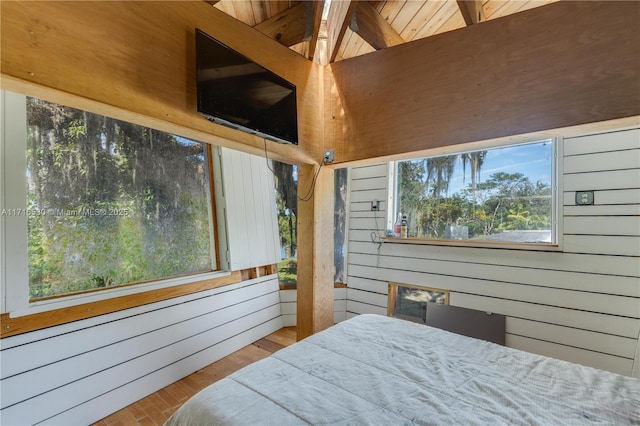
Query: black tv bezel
[211,116]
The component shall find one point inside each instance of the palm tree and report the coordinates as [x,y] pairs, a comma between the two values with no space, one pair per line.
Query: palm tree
[439,172]
[475,160]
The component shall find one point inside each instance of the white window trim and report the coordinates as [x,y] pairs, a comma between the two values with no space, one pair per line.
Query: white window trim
[392,193]
[14,277]
[103,294]
[14,240]
[557,201]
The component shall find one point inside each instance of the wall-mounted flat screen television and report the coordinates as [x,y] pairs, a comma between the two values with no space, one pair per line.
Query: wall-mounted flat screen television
[236,92]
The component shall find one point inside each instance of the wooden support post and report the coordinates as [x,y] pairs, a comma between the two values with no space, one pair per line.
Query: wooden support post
[472,11]
[315,250]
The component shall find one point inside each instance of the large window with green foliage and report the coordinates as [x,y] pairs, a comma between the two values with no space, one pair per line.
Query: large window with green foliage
[500,194]
[111,203]
[286,189]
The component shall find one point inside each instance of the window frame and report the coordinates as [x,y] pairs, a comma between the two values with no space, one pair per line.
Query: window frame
[344,244]
[556,197]
[14,277]
[392,299]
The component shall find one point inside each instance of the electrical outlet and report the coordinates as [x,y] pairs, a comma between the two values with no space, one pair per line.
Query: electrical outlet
[375,206]
[584,198]
[328,156]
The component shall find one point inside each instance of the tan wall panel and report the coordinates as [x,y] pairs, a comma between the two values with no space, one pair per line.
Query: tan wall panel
[139,57]
[560,65]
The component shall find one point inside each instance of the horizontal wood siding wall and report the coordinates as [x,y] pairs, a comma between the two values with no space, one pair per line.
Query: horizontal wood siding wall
[366,293]
[580,304]
[80,372]
[288,299]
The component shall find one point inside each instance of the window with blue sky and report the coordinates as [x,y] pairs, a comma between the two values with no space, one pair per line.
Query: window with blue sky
[499,194]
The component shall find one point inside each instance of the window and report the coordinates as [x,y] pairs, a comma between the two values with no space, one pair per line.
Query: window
[341,179]
[286,188]
[286,184]
[410,301]
[107,203]
[503,194]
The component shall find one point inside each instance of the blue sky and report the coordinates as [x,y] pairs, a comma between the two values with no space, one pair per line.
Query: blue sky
[532,160]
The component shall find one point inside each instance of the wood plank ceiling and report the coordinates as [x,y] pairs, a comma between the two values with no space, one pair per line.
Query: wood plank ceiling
[340,29]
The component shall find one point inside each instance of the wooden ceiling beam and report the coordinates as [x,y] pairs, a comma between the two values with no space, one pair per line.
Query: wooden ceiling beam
[472,11]
[296,24]
[313,22]
[287,27]
[338,19]
[211,2]
[373,28]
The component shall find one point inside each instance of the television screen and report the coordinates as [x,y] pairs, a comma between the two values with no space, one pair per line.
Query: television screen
[236,92]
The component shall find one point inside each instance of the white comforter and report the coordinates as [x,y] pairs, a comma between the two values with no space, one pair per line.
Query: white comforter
[383,371]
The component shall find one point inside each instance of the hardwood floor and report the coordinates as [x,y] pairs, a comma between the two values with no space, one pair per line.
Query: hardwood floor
[156,408]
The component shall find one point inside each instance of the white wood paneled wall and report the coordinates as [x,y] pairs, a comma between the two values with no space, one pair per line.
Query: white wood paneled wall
[580,304]
[288,300]
[250,210]
[80,372]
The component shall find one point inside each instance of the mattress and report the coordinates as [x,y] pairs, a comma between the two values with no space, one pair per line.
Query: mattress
[378,370]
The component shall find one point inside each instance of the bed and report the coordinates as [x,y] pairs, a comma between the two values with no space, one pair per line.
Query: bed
[378,370]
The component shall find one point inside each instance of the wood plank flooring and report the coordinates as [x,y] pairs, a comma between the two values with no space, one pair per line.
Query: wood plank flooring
[156,408]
